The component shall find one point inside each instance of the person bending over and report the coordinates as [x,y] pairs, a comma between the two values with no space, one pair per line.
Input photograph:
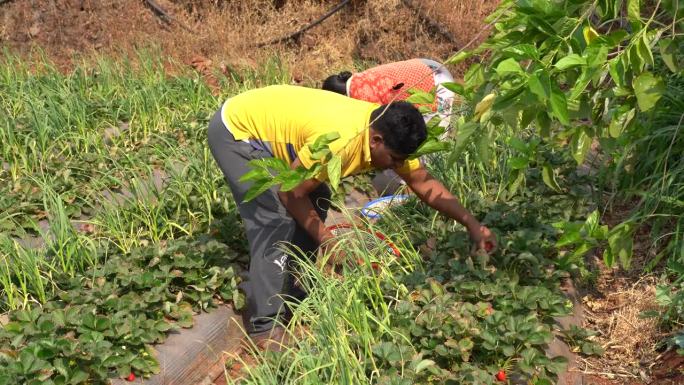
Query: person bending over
[282,121]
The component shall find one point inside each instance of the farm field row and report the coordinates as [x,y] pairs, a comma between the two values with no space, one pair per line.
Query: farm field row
[107,168]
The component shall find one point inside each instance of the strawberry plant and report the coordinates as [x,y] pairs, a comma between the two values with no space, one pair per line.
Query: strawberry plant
[108,318]
[580,340]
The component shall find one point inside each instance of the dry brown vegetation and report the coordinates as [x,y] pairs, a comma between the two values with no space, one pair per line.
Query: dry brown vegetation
[614,306]
[227,32]
[614,309]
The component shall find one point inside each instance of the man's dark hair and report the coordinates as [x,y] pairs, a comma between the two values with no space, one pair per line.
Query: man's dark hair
[337,83]
[401,125]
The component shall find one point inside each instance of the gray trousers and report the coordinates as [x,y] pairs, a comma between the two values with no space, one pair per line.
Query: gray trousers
[271,232]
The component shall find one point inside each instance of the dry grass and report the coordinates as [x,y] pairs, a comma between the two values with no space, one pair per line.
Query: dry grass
[375,31]
[613,306]
[226,32]
[628,339]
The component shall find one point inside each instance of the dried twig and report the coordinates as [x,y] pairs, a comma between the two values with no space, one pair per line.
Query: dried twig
[606,374]
[164,15]
[296,35]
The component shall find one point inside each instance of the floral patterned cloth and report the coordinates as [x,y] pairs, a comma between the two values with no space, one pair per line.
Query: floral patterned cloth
[391,81]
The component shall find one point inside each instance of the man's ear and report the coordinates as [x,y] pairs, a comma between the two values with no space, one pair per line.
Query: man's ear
[376,138]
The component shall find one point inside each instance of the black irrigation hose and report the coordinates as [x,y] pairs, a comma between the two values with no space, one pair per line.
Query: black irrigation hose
[308,27]
[162,14]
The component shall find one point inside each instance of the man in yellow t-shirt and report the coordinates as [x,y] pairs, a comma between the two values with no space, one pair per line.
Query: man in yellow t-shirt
[281,121]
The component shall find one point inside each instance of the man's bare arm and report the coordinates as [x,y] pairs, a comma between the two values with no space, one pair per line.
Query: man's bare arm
[298,204]
[433,192]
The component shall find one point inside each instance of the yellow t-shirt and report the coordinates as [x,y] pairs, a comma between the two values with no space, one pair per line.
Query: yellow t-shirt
[285,119]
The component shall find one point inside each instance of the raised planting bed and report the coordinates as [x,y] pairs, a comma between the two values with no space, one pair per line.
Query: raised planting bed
[192,356]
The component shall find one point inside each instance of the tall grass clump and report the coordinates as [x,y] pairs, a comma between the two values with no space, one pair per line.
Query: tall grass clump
[25,276]
[338,325]
[58,251]
[650,172]
[648,179]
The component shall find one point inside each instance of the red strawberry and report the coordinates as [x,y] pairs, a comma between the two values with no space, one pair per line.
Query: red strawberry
[131,377]
[501,376]
[489,246]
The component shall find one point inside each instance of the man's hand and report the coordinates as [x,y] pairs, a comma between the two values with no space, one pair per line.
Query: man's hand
[336,256]
[433,192]
[331,247]
[483,238]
